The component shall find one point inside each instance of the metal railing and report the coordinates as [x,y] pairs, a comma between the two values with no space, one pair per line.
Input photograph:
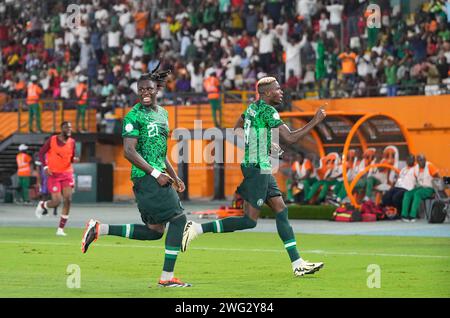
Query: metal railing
[348,90]
[199,100]
[57,107]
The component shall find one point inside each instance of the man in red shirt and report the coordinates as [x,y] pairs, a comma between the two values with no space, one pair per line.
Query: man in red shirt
[60,151]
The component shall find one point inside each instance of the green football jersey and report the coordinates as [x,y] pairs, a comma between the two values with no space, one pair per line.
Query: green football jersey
[259,119]
[151,128]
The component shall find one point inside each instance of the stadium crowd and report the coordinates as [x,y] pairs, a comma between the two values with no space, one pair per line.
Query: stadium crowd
[318,48]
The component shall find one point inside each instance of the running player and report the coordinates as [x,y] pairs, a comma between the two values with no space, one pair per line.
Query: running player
[259,185]
[58,154]
[41,180]
[145,133]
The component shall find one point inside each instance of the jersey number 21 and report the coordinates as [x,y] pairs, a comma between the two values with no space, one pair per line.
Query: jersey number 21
[152,130]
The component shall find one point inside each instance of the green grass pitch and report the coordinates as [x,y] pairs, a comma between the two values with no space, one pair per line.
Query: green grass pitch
[34,263]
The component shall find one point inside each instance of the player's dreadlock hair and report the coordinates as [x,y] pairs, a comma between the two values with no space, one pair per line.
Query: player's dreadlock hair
[156,76]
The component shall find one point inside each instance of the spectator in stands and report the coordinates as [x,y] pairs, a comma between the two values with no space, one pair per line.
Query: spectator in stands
[183,84]
[292,49]
[266,45]
[424,171]
[34,92]
[292,82]
[390,72]
[335,11]
[191,34]
[24,169]
[443,67]
[348,66]
[431,72]
[331,65]
[323,23]
[306,9]
[251,20]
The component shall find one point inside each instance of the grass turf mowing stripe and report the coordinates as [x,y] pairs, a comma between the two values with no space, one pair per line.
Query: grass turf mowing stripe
[220,249]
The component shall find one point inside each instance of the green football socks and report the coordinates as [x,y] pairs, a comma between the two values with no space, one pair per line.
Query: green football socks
[287,234]
[229,224]
[135,232]
[173,242]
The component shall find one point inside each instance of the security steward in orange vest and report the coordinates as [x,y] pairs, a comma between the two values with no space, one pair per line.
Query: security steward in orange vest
[34,92]
[82,94]
[212,87]
[24,162]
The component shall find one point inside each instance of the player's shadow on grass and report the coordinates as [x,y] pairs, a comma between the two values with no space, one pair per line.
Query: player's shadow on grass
[309,277]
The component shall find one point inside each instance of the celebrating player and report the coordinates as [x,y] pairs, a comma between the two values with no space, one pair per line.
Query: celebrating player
[145,133]
[259,185]
[58,153]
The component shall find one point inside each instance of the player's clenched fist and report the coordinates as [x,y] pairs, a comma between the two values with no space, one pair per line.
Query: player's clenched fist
[320,115]
[164,180]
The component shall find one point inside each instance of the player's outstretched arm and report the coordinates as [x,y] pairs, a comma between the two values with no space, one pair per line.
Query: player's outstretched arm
[291,137]
[129,145]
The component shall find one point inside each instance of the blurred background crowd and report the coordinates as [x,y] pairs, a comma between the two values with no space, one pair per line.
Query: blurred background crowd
[316,48]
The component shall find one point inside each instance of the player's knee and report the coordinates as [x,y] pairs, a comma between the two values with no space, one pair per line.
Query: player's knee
[159,228]
[179,220]
[277,203]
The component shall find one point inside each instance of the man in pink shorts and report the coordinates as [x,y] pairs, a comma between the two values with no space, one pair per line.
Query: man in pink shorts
[57,155]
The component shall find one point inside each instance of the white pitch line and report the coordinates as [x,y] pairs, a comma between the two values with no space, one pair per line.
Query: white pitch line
[238,249]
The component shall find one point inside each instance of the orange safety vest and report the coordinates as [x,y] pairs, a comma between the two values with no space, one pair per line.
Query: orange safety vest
[211,85]
[33,93]
[322,168]
[83,96]
[59,158]
[23,164]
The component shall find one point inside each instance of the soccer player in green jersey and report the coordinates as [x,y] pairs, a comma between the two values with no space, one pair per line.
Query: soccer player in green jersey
[259,185]
[145,133]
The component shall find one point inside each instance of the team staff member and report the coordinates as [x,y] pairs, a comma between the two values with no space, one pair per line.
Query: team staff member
[212,87]
[24,166]
[82,94]
[304,174]
[405,182]
[424,171]
[34,92]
